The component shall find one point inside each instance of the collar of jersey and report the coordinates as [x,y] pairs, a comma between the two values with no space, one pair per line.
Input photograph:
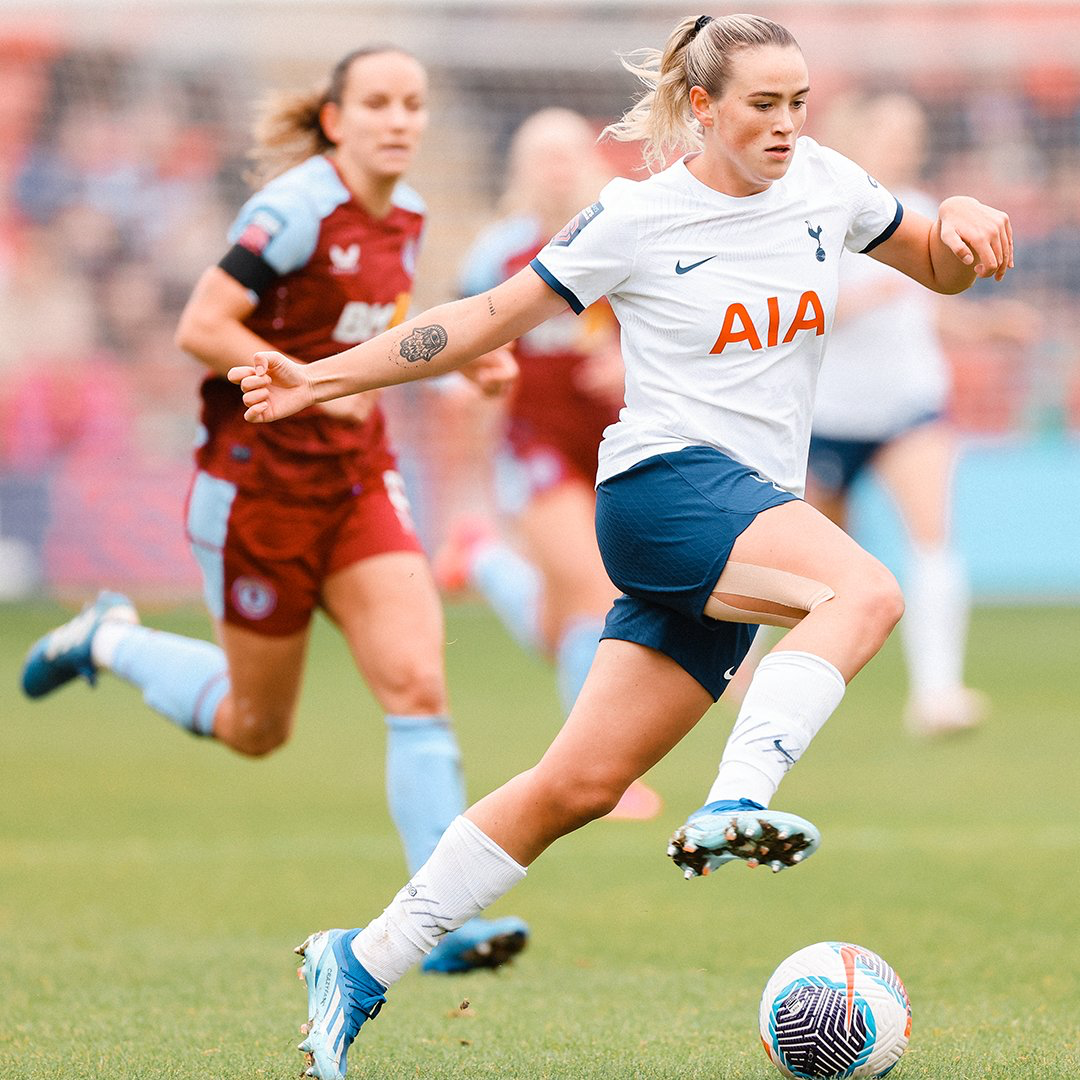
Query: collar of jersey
[718,198]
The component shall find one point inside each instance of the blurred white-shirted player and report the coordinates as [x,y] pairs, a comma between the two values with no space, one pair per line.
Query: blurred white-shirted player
[881,403]
[722,271]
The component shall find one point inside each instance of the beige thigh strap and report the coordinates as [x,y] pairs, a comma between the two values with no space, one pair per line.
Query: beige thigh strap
[745,593]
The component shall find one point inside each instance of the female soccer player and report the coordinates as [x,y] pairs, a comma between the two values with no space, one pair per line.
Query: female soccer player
[310,513]
[553,599]
[722,271]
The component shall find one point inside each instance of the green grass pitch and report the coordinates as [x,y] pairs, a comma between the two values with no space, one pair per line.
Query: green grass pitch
[152,884]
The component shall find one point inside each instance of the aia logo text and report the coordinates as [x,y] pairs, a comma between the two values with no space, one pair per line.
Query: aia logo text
[739,326]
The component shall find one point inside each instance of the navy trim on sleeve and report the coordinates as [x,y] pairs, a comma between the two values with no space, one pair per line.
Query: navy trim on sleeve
[252,271]
[556,285]
[888,232]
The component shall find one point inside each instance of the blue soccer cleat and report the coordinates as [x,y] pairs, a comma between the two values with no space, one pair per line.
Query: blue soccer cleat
[342,995]
[64,653]
[479,943]
[721,832]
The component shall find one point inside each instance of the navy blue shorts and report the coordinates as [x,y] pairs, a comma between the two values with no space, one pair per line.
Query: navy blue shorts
[666,527]
[838,463]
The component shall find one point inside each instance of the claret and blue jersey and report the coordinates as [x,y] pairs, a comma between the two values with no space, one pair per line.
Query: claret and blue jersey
[276,508]
[324,274]
[725,303]
[335,275]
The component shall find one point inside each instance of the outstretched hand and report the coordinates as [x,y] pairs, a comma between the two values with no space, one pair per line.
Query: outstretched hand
[978,235]
[494,372]
[274,387]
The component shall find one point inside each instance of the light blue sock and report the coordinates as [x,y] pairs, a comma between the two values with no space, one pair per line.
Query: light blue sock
[574,657]
[182,678]
[424,785]
[511,585]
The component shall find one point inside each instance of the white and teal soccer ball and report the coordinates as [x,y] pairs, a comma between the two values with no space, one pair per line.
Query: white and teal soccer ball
[834,1010]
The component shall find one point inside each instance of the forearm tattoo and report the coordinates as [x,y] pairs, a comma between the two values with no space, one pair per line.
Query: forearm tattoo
[423,343]
[491,305]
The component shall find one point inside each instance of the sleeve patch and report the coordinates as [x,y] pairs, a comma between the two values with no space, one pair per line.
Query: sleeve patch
[262,226]
[565,236]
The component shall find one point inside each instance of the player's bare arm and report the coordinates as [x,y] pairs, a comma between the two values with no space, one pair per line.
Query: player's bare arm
[439,340]
[213,330]
[969,240]
[211,326]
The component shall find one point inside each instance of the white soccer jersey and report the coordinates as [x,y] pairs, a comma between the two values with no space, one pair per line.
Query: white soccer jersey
[885,367]
[724,303]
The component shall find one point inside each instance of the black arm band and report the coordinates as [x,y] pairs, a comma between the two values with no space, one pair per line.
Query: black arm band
[246,267]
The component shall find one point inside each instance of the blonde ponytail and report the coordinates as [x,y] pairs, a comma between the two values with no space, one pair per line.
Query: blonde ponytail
[698,53]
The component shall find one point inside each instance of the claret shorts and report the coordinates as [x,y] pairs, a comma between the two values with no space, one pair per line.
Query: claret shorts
[264,558]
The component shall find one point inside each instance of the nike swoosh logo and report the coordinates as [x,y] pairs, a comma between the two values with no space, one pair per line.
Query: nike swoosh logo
[680,269]
[730,673]
[779,746]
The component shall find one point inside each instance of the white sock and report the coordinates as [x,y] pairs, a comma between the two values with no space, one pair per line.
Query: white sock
[934,626]
[466,873]
[106,640]
[790,697]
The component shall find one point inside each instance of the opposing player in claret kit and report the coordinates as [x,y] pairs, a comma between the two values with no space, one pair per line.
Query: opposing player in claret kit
[311,513]
[549,588]
[699,518]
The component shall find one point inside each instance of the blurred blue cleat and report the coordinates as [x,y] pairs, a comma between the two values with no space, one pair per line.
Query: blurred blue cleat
[64,653]
[479,943]
[342,996]
[721,832]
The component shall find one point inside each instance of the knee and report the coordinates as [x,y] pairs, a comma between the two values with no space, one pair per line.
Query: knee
[259,743]
[577,798]
[251,732]
[878,600]
[414,686]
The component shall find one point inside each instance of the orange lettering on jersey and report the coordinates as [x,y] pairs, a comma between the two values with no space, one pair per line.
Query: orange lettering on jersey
[774,319]
[729,335]
[803,320]
[401,309]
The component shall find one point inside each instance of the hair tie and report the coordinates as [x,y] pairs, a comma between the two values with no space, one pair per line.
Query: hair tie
[703,21]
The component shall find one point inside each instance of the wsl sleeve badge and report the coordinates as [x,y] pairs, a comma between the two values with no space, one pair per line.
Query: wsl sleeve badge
[262,226]
[834,1010]
[566,235]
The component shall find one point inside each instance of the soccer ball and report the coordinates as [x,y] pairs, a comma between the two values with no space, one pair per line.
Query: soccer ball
[834,1010]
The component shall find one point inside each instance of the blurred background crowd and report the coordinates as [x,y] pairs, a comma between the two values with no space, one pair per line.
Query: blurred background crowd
[123,133]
